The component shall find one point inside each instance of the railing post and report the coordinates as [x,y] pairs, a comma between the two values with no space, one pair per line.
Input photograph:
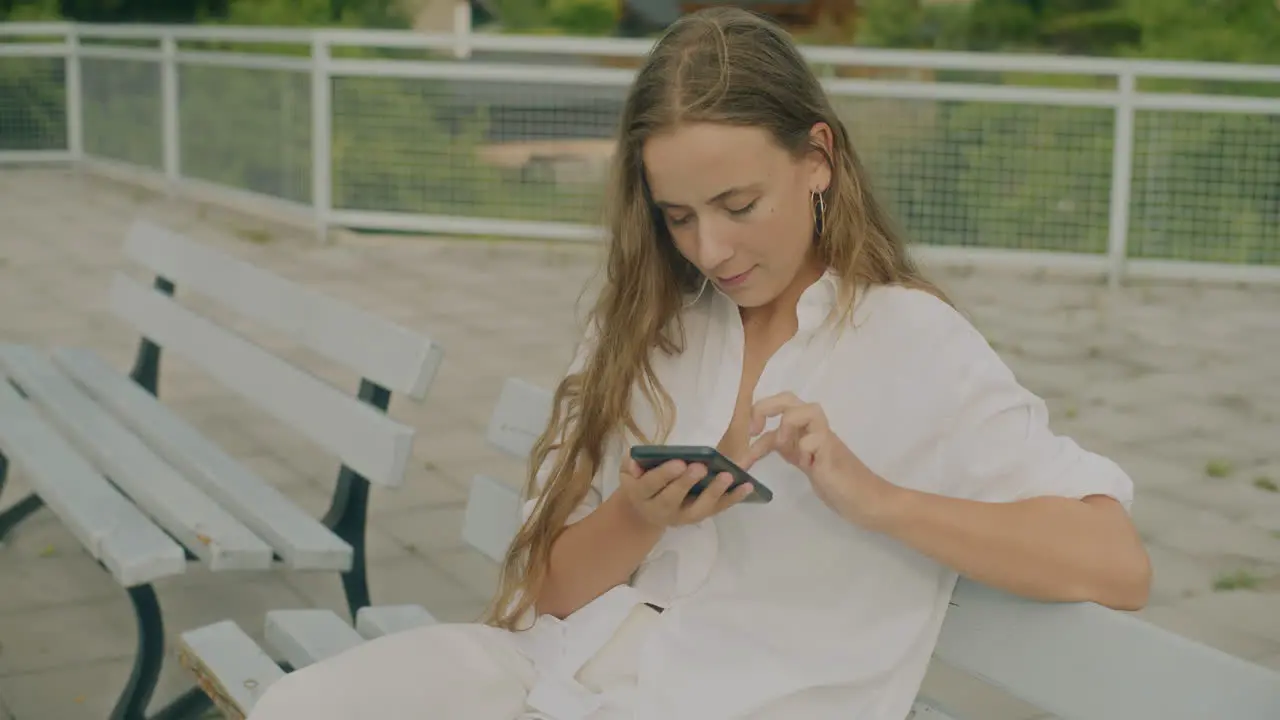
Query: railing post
[75,114]
[169,109]
[1121,181]
[462,29]
[321,135]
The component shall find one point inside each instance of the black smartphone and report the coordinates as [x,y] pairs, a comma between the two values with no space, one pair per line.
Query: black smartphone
[651,456]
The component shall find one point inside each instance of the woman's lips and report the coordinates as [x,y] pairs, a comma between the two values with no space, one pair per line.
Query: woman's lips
[734,280]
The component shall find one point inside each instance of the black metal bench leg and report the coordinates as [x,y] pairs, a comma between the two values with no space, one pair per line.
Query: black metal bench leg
[191,704]
[147,663]
[347,516]
[348,512]
[9,519]
[149,658]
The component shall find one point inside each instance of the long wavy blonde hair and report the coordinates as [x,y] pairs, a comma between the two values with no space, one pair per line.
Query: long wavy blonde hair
[723,66]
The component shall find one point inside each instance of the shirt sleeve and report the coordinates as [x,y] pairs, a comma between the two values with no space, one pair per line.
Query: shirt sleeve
[998,445]
[593,498]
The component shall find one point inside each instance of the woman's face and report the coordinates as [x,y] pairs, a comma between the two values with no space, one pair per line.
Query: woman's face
[738,205]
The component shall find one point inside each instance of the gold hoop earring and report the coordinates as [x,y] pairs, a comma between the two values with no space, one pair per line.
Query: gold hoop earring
[819,213]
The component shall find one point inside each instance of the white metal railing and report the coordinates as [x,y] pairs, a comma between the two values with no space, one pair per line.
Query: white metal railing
[986,157]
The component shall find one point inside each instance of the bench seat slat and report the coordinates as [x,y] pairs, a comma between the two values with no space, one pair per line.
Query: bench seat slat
[367,440]
[301,540]
[109,527]
[378,349]
[303,637]
[156,487]
[1081,661]
[229,666]
[378,620]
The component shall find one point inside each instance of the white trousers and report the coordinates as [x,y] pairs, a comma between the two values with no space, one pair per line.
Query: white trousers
[442,672]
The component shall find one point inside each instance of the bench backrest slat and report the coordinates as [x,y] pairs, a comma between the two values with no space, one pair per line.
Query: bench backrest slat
[492,517]
[365,439]
[1079,661]
[522,413]
[379,350]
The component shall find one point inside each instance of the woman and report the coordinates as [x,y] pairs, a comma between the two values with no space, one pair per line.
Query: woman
[756,300]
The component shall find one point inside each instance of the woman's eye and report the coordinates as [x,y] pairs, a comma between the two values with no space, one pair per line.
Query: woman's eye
[744,209]
[678,221]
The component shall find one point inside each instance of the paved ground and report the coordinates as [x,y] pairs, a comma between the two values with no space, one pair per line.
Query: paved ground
[1180,384]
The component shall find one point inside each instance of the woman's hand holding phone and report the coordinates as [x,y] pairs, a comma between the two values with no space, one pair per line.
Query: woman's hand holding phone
[661,495]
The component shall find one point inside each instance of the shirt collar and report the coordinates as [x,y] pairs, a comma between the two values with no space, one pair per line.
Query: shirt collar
[817,302]
[816,305]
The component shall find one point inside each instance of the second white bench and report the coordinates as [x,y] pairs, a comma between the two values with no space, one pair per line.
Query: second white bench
[1074,661]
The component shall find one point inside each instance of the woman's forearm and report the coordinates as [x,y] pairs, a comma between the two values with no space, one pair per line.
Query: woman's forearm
[1048,548]
[595,554]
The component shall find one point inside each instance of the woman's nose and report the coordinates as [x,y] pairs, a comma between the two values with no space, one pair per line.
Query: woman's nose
[715,245]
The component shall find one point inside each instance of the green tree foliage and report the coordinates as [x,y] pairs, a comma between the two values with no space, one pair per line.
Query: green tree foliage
[283,13]
[30,10]
[364,13]
[561,17]
[910,24]
[314,13]
[140,11]
[1212,30]
[523,14]
[32,101]
[1217,30]
[584,17]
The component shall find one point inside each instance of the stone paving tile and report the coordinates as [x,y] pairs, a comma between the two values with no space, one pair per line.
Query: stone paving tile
[1176,382]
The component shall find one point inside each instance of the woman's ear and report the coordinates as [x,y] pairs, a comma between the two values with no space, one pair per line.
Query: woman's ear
[822,142]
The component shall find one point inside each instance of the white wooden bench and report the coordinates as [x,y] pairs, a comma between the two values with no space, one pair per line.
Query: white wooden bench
[1075,661]
[70,421]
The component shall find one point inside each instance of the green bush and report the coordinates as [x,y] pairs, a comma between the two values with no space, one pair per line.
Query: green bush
[33,108]
[584,17]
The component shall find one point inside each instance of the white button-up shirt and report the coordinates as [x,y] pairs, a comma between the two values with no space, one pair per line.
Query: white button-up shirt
[786,610]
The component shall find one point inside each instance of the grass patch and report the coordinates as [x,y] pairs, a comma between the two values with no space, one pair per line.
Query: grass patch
[1238,580]
[1218,468]
[1262,482]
